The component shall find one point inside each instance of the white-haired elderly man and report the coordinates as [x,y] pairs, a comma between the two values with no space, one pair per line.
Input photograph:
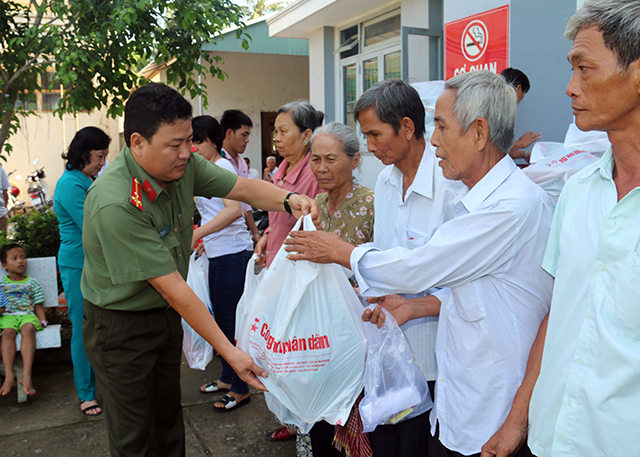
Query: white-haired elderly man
[586,401]
[487,259]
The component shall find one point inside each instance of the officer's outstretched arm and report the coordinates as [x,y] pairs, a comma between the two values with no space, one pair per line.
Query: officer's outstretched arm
[267,196]
[180,296]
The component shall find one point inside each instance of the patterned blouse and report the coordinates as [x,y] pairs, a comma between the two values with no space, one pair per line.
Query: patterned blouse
[353,219]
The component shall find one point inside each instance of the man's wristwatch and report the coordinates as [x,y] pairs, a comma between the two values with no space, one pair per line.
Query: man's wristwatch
[287,208]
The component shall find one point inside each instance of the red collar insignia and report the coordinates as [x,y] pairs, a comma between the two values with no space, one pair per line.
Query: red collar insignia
[135,193]
[149,190]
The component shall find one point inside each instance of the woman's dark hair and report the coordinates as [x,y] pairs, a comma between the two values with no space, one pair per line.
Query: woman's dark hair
[86,140]
[303,114]
[207,128]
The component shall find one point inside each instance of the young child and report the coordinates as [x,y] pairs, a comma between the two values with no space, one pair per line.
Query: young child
[23,313]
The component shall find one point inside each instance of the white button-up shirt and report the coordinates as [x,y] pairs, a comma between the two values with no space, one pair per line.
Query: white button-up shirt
[586,401]
[410,223]
[490,256]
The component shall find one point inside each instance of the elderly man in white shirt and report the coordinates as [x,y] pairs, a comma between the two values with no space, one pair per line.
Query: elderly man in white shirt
[412,199]
[487,258]
[586,400]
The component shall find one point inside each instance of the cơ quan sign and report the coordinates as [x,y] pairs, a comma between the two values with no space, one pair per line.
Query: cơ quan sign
[478,42]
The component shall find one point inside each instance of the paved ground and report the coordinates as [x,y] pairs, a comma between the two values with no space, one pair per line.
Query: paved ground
[51,425]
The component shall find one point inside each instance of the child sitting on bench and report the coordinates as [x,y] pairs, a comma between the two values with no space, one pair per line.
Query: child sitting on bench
[23,313]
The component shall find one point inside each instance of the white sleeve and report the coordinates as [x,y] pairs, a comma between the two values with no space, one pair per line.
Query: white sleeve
[462,250]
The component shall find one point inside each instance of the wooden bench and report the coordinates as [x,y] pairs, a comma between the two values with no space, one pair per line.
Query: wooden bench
[43,269]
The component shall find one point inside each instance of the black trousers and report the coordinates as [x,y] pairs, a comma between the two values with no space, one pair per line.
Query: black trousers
[437,449]
[408,438]
[136,359]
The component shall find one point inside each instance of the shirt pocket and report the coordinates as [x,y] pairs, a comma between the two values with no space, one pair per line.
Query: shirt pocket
[416,238]
[623,285]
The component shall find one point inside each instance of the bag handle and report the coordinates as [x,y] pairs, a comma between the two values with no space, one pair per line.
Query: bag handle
[306,222]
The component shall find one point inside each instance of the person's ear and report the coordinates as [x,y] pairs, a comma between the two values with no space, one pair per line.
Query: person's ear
[408,128]
[481,128]
[306,136]
[634,72]
[356,161]
[228,134]
[137,143]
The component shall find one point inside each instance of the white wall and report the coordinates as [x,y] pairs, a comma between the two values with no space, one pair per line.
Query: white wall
[457,9]
[46,137]
[256,83]
[415,13]
[317,73]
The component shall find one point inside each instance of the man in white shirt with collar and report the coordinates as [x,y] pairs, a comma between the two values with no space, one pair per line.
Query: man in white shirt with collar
[487,258]
[412,199]
[586,400]
[236,127]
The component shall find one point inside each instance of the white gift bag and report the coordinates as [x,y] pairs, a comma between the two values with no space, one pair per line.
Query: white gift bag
[196,349]
[393,385]
[252,278]
[304,328]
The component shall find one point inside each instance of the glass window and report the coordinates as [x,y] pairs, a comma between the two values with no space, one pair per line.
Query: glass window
[393,65]
[50,100]
[27,102]
[380,30]
[350,94]
[349,39]
[370,73]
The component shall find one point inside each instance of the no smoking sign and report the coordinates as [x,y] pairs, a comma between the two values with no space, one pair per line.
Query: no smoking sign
[478,42]
[474,40]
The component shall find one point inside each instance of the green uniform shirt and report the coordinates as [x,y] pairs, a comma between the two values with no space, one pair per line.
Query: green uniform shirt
[135,232]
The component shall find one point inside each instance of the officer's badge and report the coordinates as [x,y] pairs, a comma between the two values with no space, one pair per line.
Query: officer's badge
[136,199]
[148,189]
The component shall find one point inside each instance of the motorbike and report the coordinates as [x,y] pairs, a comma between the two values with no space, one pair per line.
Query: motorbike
[14,204]
[39,189]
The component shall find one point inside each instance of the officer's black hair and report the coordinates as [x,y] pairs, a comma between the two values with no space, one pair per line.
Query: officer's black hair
[234,119]
[6,248]
[207,128]
[86,140]
[516,78]
[151,106]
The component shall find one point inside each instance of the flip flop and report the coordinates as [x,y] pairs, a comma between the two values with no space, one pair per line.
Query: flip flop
[212,387]
[280,434]
[230,403]
[86,409]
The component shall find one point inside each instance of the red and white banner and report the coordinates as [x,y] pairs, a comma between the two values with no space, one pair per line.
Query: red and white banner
[478,42]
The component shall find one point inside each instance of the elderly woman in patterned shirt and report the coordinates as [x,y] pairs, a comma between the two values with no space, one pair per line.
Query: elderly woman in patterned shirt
[346,209]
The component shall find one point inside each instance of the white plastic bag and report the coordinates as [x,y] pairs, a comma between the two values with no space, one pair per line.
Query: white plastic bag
[554,165]
[251,281]
[304,328]
[196,350]
[393,385]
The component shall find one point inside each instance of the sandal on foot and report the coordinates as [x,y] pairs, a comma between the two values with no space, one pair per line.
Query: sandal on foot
[211,388]
[230,403]
[280,434]
[86,409]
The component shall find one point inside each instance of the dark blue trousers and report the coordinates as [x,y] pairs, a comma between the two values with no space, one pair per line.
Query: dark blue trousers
[226,284]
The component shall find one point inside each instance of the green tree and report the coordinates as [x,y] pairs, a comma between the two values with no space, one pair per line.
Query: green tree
[258,8]
[96,46]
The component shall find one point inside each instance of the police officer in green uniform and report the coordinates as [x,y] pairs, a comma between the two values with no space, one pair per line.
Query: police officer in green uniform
[136,238]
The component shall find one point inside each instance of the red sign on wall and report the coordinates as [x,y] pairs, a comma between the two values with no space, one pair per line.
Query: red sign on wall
[478,42]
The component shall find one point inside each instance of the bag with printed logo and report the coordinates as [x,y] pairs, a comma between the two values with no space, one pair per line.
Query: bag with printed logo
[304,328]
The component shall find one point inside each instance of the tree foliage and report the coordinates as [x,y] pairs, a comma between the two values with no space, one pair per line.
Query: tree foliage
[96,46]
[258,8]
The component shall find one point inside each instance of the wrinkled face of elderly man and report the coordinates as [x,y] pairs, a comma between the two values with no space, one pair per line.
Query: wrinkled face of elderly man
[603,95]
[457,150]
